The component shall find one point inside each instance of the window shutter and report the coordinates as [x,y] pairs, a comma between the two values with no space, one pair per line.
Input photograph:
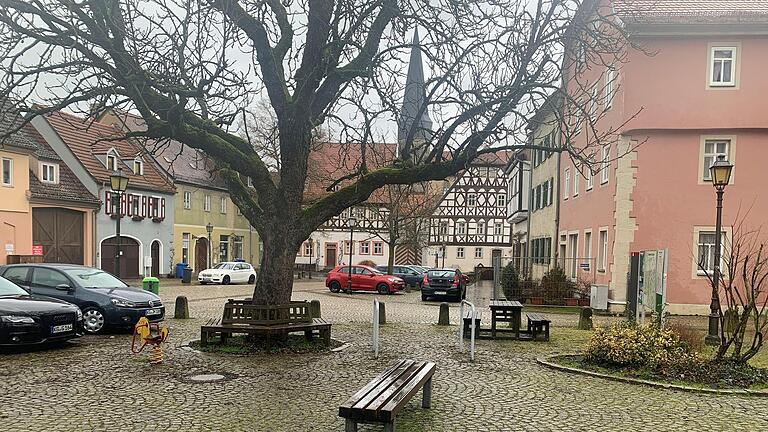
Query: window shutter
[143,206]
[108,202]
[162,208]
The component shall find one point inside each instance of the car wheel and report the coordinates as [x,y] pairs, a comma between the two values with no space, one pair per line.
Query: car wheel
[334,287]
[383,288]
[203,283]
[225,281]
[252,279]
[93,320]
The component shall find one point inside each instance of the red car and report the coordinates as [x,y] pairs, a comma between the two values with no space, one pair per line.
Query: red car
[364,278]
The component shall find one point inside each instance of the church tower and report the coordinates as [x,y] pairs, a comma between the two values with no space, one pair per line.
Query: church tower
[413,102]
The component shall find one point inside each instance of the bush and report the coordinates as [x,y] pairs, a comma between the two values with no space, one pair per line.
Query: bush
[368,263]
[510,282]
[556,285]
[626,344]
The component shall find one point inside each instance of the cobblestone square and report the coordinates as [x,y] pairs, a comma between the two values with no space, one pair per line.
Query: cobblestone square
[96,383]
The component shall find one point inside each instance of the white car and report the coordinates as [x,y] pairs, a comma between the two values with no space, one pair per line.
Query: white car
[228,272]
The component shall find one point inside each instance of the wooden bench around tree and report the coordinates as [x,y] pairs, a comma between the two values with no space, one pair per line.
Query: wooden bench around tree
[538,324]
[386,395]
[244,317]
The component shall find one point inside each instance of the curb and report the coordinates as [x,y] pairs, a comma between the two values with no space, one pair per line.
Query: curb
[187,346]
[546,361]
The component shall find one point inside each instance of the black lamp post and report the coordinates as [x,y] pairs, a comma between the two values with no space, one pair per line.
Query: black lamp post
[351,223]
[209,230]
[720,171]
[119,184]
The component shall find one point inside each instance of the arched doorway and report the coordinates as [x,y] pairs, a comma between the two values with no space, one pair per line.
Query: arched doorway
[201,254]
[129,263]
[155,253]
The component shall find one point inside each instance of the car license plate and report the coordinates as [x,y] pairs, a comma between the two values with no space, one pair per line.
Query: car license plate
[152,312]
[206,279]
[62,328]
[441,292]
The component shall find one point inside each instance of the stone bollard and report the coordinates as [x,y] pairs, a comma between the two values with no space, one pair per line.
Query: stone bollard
[585,318]
[314,309]
[382,313]
[182,308]
[444,317]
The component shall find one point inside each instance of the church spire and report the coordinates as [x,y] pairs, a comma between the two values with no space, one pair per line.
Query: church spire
[413,101]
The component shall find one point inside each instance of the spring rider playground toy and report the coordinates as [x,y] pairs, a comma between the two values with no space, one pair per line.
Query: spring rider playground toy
[144,330]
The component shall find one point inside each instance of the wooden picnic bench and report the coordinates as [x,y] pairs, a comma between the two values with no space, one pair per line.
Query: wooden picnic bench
[505,311]
[538,324]
[386,395]
[244,317]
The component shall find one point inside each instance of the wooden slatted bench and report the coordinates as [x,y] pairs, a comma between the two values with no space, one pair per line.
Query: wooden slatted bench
[243,317]
[537,324]
[386,395]
[468,322]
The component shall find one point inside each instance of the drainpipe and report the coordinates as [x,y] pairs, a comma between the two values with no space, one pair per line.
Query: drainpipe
[529,260]
[556,199]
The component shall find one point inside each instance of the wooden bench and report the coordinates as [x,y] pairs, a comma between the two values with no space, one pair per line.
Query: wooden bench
[386,395]
[243,317]
[468,322]
[537,324]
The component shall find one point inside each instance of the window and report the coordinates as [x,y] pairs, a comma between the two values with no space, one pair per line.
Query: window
[610,77]
[605,165]
[578,115]
[187,200]
[498,228]
[347,249]
[567,186]
[17,275]
[501,200]
[378,248]
[481,228]
[185,247]
[136,206]
[48,173]
[307,248]
[111,162]
[443,228]
[207,203]
[590,177]
[576,175]
[722,61]
[593,104]
[602,251]
[573,244]
[223,248]
[365,248]
[461,227]
[47,278]
[155,201]
[459,252]
[706,259]
[138,167]
[223,205]
[492,173]
[713,149]
[478,252]
[471,200]
[588,246]
[7,172]
[237,248]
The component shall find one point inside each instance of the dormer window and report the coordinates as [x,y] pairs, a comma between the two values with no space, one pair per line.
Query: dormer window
[111,162]
[138,166]
[49,172]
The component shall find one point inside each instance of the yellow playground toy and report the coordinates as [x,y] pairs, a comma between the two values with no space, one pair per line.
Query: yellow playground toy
[144,330]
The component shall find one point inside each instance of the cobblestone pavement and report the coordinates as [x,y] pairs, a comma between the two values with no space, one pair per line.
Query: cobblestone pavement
[97,384]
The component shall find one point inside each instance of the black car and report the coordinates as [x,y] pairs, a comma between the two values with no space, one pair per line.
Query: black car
[105,300]
[444,283]
[406,273]
[29,320]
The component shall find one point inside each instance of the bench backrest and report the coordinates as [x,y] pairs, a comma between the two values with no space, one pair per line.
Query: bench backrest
[245,312]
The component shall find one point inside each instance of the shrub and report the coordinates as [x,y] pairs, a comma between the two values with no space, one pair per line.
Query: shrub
[510,282]
[368,263]
[556,285]
[688,334]
[643,346]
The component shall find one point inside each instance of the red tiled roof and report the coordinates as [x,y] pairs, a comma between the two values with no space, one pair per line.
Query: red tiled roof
[692,11]
[86,139]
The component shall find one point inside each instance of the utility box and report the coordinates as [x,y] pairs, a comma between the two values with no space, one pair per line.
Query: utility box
[598,297]
[151,284]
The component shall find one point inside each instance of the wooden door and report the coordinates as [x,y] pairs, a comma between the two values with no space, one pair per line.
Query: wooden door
[330,255]
[129,263]
[155,253]
[61,233]
[201,254]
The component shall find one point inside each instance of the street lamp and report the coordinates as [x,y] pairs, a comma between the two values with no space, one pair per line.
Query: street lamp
[119,184]
[311,249]
[720,171]
[351,223]
[209,230]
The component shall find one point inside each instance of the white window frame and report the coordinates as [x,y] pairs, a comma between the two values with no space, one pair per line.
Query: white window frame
[365,248]
[605,164]
[471,199]
[567,183]
[223,205]
[498,229]
[481,228]
[722,61]
[140,164]
[478,253]
[590,176]
[187,200]
[576,175]
[136,205]
[378,248]
[111,162]
[207,203]
[593,103]
[460,252]
[610,77]
[588,246]
[602,252]
[501,199]
[54,171]
[705,174]
[461,228]
[3,170]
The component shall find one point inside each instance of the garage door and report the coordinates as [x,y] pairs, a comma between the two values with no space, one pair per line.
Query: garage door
[60,232]
[129,263]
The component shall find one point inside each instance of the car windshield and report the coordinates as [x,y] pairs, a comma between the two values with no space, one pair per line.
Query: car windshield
[94,278]
[224,266]
[8,288]
[441,273]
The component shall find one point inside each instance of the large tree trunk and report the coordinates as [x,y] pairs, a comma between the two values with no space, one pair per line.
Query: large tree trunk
[391,260]
[275,282]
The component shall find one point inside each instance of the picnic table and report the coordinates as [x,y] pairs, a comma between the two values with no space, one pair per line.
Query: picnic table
[508,311]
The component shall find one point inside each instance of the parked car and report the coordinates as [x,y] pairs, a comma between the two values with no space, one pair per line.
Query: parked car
[444,283]
[410,275]
[228,272]
[364,278]
[105,300]
[28,320]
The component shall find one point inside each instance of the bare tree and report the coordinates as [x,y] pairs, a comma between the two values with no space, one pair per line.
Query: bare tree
[191,68]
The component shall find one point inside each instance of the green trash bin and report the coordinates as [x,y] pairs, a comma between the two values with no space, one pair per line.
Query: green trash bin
[151,284]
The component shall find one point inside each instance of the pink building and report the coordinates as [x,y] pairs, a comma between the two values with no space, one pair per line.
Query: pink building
[702,94]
